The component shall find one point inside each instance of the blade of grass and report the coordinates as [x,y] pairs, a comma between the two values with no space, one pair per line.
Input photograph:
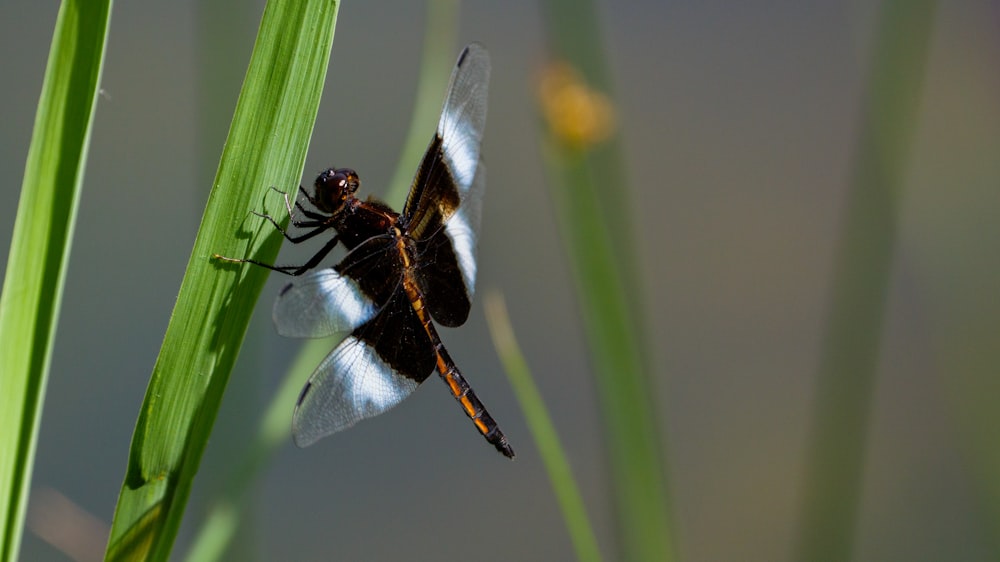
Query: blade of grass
[835,459]
[40,246]
[542,429]
[266,146]
[215,536]
[226,510]
[223,29]
[598,236]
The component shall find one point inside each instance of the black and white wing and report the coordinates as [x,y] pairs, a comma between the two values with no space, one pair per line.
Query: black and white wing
[443,208]
[373,369]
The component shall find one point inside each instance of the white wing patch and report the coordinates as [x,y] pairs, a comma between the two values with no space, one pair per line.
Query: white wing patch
[463,117]
[319,304]
[350,385]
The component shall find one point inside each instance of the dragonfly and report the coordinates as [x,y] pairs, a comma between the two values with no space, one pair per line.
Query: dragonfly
[402,274]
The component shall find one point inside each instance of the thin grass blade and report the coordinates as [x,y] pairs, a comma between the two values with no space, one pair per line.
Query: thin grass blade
[266,146]
[43,231]
[542,429]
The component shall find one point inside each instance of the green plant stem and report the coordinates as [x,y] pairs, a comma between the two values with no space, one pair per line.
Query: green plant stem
[598,235]
[266,146]
[574,35]
[542,429]
[835,461]
[40,246]
[623,387]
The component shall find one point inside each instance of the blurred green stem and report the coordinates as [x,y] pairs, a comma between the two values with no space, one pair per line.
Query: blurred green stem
[226,511]
[850,353]
[574,35]
[542,429]
[623,387]
[594,217]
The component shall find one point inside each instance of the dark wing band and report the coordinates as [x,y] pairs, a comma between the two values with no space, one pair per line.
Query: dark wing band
[443,210]
[372,370]
[448,170]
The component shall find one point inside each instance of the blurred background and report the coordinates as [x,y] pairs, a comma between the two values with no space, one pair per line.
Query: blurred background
[741,125]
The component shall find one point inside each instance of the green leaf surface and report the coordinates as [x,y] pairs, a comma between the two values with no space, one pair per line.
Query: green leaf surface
[266,146]
[40,246]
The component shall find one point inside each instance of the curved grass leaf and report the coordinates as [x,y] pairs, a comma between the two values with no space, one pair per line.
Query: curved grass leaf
[36,265]
[266,146]
[225,513]
[542,429]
